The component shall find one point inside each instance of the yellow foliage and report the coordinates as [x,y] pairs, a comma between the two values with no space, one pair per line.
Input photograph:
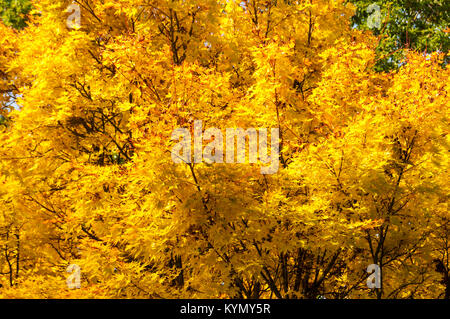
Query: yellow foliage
[87,176]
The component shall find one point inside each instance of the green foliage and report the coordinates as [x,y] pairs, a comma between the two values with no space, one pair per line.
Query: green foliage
[416,24]
[13,12]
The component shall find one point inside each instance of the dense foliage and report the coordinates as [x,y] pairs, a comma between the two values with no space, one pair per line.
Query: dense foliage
[422,25]
[87,176]
[13,12]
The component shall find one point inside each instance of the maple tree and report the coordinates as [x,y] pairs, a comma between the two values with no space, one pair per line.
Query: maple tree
[87,176]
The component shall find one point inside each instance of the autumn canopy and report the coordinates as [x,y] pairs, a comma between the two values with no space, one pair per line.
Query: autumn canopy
[87,177]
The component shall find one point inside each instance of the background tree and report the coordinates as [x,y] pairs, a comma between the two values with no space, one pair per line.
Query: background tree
[420,25]
[13,12]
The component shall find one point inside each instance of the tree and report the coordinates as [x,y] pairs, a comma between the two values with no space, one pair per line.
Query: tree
[88,179]
[13,12]
[418,25]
